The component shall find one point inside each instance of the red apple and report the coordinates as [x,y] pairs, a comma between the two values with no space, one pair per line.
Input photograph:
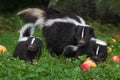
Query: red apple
[115,58]
[87,64]
[117,35]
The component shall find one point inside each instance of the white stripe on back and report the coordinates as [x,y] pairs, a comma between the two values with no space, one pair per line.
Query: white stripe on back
[50,22]
[23,39]
[81,19]
[40,22]
[98,41]
[24,28]
[74,48]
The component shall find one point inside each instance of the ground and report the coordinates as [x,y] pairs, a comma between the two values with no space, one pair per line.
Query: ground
[52,67]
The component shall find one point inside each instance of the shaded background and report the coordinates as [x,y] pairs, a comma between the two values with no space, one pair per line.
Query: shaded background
[104,11]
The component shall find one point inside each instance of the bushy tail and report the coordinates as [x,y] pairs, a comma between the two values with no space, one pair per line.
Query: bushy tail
[24,11]
[33,11]
[38,12]
[32,14]
[27,30]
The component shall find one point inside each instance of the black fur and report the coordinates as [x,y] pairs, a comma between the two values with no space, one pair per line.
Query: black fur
[30,18]
[57,37]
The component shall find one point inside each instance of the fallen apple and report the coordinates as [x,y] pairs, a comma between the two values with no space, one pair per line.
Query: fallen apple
[117,35]
[113,41]
[109,49]
[2,49]
[87,64]
[115,58]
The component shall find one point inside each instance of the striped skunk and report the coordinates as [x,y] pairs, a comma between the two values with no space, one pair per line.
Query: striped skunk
[61,30]
[95,49]
[28,47]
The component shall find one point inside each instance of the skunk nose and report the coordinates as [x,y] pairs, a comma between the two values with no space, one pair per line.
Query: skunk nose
[96,57]
[82,41]
[30,48]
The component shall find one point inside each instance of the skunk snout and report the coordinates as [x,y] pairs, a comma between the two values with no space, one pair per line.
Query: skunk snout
[31,48]
[96,58]
[82,42]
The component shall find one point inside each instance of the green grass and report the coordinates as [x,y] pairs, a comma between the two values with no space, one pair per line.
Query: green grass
[52,67]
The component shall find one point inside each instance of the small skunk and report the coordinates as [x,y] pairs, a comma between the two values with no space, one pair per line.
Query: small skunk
[28,47]
[95,49]
[61,30]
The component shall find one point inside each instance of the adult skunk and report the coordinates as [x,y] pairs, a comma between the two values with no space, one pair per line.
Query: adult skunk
[61,30]
[95,49]
[28,47]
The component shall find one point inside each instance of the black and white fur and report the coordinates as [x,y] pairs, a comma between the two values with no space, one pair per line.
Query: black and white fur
[28,47]
[61,30]
[95,49]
